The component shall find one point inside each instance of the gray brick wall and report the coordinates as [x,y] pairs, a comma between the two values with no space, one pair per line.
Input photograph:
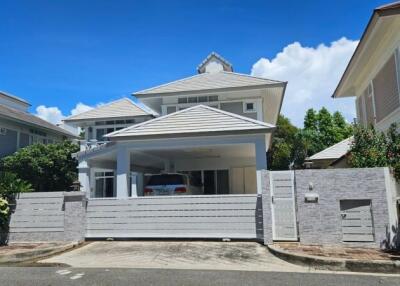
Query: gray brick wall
[74,210]
[320,223]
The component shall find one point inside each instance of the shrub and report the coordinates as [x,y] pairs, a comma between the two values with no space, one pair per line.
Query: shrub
[47,167]
[10,185]
[376,149]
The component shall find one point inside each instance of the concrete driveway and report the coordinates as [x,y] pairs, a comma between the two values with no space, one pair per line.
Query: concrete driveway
[211,255]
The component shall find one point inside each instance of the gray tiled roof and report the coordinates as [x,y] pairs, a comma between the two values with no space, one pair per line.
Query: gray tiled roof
[208,81]
[14,97]
[117,109]
[32,120]
[333,152]
[198,119]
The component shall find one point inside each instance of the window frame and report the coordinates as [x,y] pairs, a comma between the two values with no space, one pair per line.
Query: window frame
[245,110]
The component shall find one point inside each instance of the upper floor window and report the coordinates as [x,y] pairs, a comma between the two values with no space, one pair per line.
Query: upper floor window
[249,106]
[197,99]
[115,122]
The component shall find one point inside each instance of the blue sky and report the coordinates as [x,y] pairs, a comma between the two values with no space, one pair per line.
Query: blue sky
[60,53]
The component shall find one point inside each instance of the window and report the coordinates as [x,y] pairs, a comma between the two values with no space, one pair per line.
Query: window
[249,107]
[104,184]
[213,98]
[203,98]
[192,99]
[182,100]
[386,90]
[171,109]
[195,99]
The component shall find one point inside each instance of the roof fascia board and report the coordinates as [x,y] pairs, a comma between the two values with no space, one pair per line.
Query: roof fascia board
[195,92]
[355,57]
[105,118]
[194,134]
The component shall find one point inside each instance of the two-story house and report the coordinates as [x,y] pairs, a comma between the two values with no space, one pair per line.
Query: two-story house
[215,126]
[19,128]
[373,73]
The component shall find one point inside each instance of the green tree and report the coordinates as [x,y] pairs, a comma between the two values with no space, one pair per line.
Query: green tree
[310,120]
[47,167]
[281,154]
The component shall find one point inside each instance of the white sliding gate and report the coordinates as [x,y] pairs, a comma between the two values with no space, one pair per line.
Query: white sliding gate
[207,216]
[284,225]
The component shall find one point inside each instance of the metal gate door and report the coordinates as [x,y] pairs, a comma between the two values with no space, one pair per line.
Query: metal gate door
[284,226]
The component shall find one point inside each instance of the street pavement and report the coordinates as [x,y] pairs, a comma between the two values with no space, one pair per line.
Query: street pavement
[59,276]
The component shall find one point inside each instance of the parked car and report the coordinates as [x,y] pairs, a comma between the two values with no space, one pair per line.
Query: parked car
[170,184]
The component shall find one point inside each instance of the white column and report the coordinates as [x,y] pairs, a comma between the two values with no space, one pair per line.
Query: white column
[123,172]
[261,162]
[84,177]
[134,184]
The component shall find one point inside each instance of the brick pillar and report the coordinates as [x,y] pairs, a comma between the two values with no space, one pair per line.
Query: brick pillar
[267,212]
[74,216]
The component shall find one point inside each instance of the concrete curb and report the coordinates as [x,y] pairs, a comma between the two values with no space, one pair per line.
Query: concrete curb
[36,253]
[337,264]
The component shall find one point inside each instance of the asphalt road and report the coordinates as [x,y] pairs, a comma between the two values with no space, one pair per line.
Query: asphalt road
[34,276]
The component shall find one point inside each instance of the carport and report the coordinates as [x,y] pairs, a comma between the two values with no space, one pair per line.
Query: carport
[226,151]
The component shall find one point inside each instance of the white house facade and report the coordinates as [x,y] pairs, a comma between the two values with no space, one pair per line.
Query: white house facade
[215,127]
[19,128]
[373,73]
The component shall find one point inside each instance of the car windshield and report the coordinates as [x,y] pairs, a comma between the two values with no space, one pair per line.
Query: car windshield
[166,179]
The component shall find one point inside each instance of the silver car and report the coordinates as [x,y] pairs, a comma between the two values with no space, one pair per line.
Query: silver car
[169,184]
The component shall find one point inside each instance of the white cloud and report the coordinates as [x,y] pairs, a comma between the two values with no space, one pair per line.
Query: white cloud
[312,74]
[51,114]
[81,107]
[54,115]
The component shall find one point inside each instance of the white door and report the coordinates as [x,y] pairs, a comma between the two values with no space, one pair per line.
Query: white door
[284,226]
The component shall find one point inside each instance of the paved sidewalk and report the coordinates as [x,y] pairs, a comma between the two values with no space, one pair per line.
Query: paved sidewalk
[339,252]
[337,258]
[19,252]
[249,256]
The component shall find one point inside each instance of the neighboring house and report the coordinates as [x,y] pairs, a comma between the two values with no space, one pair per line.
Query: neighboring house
[373,73]
[334,156]
[215,126]
[108,118]
[19,128]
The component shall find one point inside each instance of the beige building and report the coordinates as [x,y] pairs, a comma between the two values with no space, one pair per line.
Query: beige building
[373,73]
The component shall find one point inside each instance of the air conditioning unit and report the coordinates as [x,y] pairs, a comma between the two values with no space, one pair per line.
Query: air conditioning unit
[3,131]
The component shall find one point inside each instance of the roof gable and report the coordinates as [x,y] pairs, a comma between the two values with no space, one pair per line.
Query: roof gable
[116,109]
[199,119]
[214,58]
[207,81]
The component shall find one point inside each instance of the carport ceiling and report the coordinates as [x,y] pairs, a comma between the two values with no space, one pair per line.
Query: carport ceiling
[226,151]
